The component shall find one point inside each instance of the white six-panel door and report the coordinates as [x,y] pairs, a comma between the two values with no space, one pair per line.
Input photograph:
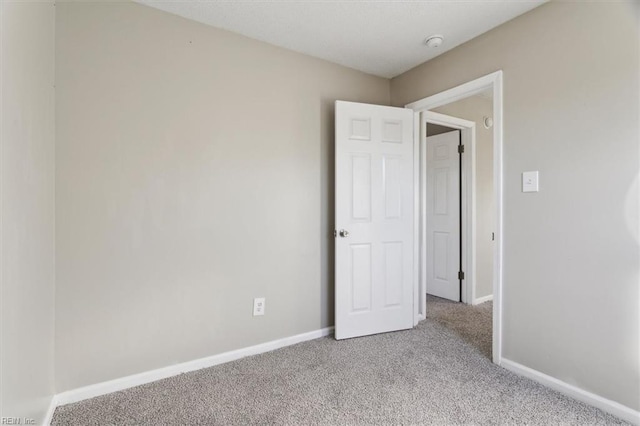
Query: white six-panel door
[443,215]
[374,219]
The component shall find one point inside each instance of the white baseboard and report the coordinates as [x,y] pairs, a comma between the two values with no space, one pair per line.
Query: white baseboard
[479,300]
[104,388]
[572,391]
[49,415]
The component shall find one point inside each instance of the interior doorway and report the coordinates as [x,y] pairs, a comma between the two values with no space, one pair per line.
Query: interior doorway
[491,86]
[461,209]
[442,232]
[458,217]
[446,159]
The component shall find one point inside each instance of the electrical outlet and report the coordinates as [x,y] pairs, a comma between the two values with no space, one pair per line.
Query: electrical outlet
[258,306]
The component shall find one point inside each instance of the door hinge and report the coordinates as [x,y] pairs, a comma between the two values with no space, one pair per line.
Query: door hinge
[460,149]
[460,275]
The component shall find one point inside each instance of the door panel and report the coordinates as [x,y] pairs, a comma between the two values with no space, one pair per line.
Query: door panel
[374,205]
[443,215]
[361,277]
[361,187]
[392,178]
[392,274]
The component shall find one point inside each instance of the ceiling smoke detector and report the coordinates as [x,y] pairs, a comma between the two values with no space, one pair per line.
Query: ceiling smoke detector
[434,41]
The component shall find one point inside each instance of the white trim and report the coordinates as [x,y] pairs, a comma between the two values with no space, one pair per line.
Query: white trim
[491,81]
[457,93]
[575,392]
[468,196]
[420,297]
[448,120]
[469,215]
[417,297]
[48,417]
[110,386]
[498,168]
[482,299]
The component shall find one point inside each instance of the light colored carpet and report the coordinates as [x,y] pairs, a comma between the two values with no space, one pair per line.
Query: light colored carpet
[473,324]
[438,373]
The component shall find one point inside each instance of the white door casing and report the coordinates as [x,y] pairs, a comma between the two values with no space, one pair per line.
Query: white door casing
[443,215]
[493,82]
[467,173]
[374,219]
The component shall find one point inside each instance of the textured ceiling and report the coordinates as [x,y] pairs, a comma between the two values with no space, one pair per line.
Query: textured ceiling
[383,38]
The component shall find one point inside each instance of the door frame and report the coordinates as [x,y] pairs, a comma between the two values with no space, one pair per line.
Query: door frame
[493,81]
[467,130]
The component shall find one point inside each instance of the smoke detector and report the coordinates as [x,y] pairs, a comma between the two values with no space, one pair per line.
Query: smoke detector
[434,41]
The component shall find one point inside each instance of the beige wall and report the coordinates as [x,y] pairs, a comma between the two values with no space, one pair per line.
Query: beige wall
[474,109]
[27,209]
[571,251]
[436,129]
[194,173]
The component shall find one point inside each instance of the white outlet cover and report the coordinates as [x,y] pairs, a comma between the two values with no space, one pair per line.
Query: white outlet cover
[530,181]
[258,306]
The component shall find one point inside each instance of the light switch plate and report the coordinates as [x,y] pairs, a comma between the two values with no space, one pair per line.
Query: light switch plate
[530,181]
[258,306]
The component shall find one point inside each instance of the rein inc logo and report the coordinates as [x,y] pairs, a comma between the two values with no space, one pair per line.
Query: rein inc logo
[17,421]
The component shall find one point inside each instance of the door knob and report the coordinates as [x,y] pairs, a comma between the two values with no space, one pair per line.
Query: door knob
[344,233]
